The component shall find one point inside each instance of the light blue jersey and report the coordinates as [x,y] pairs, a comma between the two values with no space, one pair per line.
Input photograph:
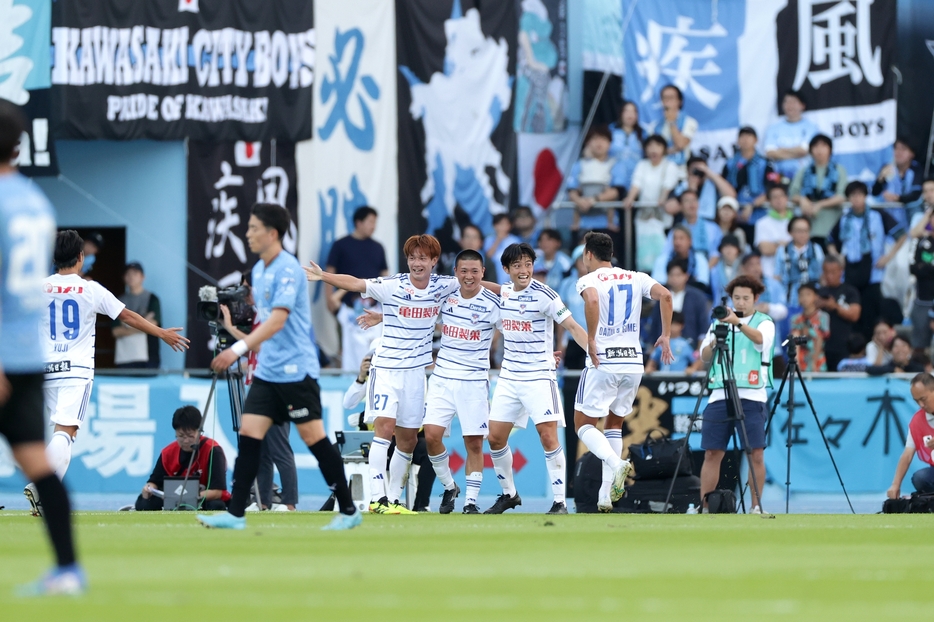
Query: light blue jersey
[27,236]
[290,354]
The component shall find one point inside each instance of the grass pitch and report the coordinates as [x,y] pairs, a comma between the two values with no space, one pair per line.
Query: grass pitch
[164,566]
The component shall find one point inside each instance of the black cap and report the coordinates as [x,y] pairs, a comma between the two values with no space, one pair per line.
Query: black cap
[746,129]
[95,238]
[728,240]
[134,265]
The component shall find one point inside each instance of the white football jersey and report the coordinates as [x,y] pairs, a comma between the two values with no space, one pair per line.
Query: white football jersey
[527,319]
[466,335]
[409,317]
[68,326]
[620,293]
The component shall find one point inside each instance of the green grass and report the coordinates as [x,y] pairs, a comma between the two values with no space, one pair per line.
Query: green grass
[164,566]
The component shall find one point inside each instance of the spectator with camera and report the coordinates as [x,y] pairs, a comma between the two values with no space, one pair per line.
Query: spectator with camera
[749,174]
[708,186]
[596,178]
[920,440]
[814,324]
[841,301]
[208,467]
[800,261]
[750,336]
[818,187]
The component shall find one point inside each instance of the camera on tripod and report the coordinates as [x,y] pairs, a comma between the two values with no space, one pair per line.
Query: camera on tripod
[235,297]
[722,310]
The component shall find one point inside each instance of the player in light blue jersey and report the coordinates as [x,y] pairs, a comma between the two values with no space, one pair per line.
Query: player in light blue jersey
[27,232]
[285,385]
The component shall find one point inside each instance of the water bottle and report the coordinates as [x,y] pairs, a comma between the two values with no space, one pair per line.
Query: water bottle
[692,509]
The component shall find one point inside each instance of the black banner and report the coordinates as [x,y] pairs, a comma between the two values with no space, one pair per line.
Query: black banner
[37,149]
[224,181]
[167,69]
[916,62]
[457,146]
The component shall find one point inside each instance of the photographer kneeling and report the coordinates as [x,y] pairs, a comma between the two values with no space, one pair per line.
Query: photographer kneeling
[749,335]
[209,466]
[920,439]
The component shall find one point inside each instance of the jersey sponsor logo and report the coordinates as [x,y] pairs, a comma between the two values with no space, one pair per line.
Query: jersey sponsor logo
[547,413]
[517,326]
[480,308]
[621,353]
[609,331]
[464,334]
[620,276]
[453,301]
[63,289]
[564,311]
[754,377]
[526,298]
[57,367]
[418,313]
[297,414]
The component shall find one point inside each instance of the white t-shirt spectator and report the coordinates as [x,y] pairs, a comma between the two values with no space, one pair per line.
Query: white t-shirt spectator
[654,182]
[771,229]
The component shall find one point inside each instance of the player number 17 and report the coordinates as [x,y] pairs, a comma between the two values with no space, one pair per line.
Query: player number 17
[627,289]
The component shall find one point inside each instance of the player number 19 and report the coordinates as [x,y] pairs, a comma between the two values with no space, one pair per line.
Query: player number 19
[71,320]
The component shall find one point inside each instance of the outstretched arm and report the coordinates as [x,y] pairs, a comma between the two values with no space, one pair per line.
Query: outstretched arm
[313,272]
[168,335]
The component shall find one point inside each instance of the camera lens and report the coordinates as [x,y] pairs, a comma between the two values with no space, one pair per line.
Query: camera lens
[720,312]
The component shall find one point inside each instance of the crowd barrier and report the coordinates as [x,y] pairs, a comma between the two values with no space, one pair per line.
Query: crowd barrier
[865,420]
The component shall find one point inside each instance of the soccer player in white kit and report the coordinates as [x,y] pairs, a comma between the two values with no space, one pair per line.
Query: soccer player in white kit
[608,385]
[67,332]
[527,386]
[396,397]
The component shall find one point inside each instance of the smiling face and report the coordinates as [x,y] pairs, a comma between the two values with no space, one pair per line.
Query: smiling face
[420,267]
[520,272]
[469,273]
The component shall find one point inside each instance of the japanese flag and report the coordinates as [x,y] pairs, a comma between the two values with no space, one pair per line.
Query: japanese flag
[188,5]
[246,153]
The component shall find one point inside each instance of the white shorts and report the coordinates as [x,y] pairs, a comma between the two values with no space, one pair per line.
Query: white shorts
[67,404]
[517,401]
[396,394]
[468,399]
[600,392]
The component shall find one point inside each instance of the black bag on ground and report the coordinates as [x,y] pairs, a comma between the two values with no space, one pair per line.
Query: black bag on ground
[921,503]
[588,475]
[721,501]
[648,496]
[895,506]
[657,459]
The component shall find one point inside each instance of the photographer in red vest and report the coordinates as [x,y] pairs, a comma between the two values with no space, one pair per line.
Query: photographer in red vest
[209,466]
[920,439]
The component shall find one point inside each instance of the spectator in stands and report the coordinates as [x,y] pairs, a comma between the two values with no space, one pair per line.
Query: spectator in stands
[786,141]
[922,267]
[728,221]
[860,236]
[626,146]
[900,180]
[495,245]
[772,301]
[857,360]
[708,185]
[550,259]
[685,352]
[525,226]
[842,303]
[93,244]
[879,350]
[727,267]
[922,223]
[814,324]
[819,187]
[676,127]
[920,440]
[654,177]
[209,466]
[134,349]
[596,177]
[772,229]
[901,362]
[359,255]
[682,248]
[800,261]
[749,174]
[705,234]
[691,302]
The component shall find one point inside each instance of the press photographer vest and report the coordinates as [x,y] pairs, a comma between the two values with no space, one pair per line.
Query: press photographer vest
[747,361]
[200,468]
[919,428]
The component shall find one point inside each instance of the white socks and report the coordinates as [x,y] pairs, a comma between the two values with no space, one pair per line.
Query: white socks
[58,453]
[600,446]
[441,465]
[398,468]
[473,487]
[502,464]
[379,453]
[555,462]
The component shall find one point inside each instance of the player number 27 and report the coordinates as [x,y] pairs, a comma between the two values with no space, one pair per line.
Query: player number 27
[379,401]
[627,289]
[71,320]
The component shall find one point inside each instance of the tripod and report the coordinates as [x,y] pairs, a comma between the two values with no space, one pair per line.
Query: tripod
[791,372]
[723,362]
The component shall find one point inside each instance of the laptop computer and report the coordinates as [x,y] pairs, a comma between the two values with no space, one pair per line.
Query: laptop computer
[179,498]
[356,443]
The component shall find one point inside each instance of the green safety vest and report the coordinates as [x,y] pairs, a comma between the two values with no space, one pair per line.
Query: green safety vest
[747,361]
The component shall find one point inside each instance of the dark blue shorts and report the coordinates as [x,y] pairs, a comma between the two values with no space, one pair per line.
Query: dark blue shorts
[717,427]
